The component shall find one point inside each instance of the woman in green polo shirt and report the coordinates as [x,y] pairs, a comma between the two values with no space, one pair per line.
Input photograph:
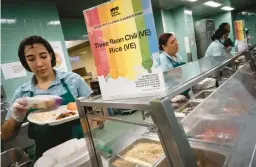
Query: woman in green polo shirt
[37,56]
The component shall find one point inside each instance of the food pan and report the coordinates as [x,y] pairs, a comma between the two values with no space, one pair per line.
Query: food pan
[203,94]
[204,157]
[142,140]
[218,131]
[192,104]
[178,105]
[207,157]
[15,157]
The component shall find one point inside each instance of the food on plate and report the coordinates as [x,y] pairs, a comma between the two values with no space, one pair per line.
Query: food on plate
[41,116]
[221,134]
[148,152]
[65,115]
[122,163]
[72,106]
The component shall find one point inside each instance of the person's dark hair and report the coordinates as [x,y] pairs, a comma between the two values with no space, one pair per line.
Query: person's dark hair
[163,39]
[34,40]
[219,33]
[223,25]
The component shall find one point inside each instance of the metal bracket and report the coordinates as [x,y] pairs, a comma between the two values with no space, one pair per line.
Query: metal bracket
[95,158]
[172,135]
[248,58]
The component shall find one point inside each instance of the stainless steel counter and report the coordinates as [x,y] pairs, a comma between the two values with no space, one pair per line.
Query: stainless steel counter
[175,142]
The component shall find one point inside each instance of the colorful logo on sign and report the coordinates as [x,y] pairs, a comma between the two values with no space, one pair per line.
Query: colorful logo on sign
[115,11]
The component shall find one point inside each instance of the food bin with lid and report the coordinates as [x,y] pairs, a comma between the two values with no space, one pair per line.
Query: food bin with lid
[212,130]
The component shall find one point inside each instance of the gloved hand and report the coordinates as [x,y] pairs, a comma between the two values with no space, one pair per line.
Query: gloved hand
[178,98]
[19,109]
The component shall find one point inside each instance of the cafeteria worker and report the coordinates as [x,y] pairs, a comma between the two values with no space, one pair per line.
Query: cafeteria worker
[169,59]
[217,47]
[37,56]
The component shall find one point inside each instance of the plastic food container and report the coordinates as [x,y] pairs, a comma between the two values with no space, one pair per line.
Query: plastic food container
[218,131]
[15,158]
[72,153]
[44,101]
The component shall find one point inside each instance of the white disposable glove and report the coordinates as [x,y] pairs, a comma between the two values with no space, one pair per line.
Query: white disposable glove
[178,98]
[19,109]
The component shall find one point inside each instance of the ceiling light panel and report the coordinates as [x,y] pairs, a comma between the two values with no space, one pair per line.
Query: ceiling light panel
[227,8]
[212,4]
[188,12]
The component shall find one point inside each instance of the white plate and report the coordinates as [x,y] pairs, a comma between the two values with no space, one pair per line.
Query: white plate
[50,116]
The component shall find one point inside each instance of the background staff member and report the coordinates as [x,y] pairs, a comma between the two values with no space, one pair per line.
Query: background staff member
[37,56]
[228,43]
[217,48]
[170,59]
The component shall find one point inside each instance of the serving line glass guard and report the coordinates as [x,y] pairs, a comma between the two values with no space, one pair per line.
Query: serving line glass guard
[122,135]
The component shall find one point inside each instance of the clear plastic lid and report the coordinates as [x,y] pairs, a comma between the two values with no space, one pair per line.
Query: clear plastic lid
[225,120]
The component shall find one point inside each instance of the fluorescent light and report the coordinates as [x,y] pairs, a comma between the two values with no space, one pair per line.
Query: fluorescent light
[8,21]
[3,21]
[192,0]
[244,13]
[227,8]
[212,4]
[54,23]
[188,12]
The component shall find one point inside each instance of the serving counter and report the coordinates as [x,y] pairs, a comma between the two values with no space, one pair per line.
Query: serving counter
[218,131]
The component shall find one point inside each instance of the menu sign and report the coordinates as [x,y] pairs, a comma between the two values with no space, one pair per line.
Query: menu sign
[124,43]
[239,30]
[241,40]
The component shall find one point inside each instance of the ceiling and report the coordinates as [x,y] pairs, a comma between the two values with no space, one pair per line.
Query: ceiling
[74,8]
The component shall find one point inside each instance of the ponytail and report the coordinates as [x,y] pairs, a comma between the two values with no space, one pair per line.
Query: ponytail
[218,34]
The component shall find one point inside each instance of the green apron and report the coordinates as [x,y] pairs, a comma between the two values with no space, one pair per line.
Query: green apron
[46,136]
[177,64]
